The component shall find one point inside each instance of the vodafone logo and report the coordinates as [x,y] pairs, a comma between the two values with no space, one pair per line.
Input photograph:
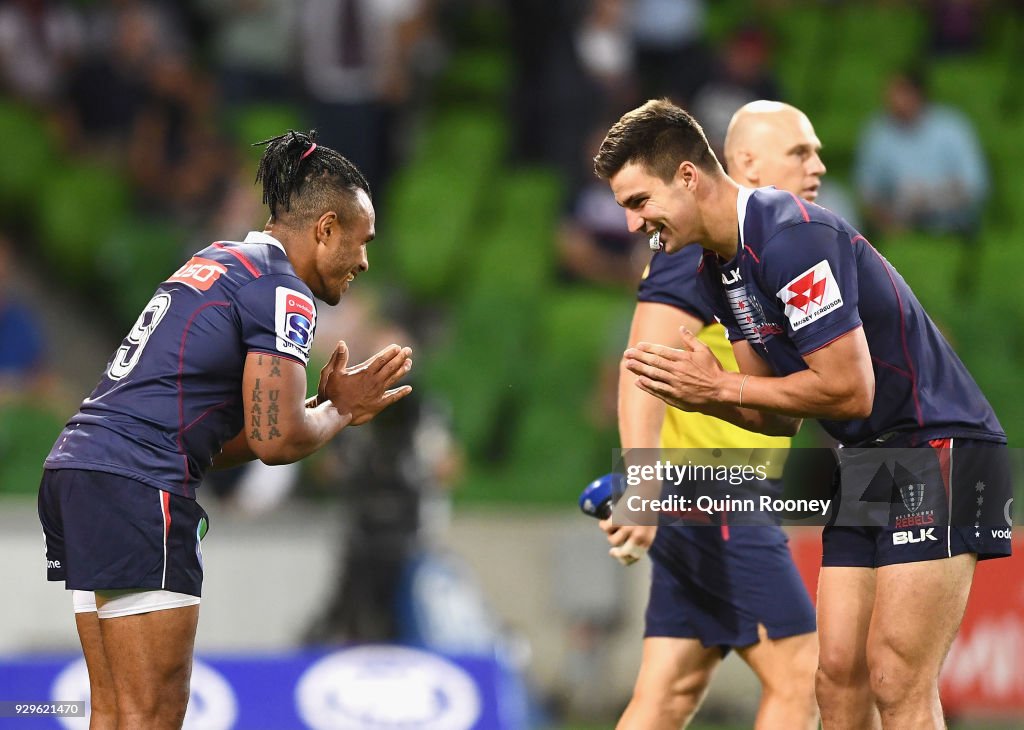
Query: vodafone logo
[299,303]
[811,295]
[387,687]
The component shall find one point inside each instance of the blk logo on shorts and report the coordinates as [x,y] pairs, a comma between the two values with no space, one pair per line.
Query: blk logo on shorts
[905,537]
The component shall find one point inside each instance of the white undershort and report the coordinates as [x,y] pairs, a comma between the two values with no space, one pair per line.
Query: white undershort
[132,601]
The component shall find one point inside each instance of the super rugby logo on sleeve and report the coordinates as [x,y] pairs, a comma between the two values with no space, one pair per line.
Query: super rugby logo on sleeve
[811,295]
[294,320]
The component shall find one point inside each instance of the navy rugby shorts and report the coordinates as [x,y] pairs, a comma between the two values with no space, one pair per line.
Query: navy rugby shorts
[716,589]
[944,498]
[109,532]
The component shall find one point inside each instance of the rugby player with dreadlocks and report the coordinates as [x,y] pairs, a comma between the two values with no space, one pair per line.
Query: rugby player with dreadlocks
[213,373]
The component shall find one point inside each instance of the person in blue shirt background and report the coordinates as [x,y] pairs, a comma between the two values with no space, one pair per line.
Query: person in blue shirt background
[919,165]
[24,371]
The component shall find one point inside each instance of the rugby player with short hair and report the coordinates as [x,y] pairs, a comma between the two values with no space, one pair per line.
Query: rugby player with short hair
[212,374]
[823,327]
[718,588]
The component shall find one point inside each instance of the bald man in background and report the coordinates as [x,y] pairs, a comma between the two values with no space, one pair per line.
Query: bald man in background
[716,589]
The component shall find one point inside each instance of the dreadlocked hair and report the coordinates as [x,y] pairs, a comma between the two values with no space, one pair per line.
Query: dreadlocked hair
[304,178]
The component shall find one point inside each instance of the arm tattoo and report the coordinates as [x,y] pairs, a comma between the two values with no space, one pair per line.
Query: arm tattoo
[273,411]
[256,413]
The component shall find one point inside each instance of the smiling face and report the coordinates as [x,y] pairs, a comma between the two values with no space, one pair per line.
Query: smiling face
[653,205]
[341,248]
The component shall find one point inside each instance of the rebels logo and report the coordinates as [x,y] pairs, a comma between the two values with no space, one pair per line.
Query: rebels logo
[294,321]
[811,295]
[924,518]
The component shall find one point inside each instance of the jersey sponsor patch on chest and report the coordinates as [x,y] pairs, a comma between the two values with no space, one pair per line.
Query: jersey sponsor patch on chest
[198,273]
[811,295]
[294,321]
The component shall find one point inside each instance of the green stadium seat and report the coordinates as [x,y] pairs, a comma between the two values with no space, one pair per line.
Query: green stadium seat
[27,434]
[253,123]
[558,445]
[77,206]
[134,256]
[435,204]
[432,212]
[930,264]
[474,75]
[29,159]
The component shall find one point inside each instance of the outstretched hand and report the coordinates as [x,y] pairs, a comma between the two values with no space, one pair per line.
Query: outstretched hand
[364,390]
[686,378]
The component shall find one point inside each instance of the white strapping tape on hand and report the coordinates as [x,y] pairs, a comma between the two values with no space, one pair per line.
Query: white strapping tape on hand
[628,552]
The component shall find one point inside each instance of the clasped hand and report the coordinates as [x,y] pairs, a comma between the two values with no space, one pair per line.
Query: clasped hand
[364,390]
[686,378]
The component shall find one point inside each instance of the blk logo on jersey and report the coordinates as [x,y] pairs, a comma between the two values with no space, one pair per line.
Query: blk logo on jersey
[731,277]
[294,320]
[199,273]
[811,295]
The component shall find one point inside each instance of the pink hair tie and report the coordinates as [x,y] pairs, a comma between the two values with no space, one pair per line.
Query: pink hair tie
[308,152]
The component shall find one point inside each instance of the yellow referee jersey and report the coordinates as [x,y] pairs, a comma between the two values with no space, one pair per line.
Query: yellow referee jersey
[686,430]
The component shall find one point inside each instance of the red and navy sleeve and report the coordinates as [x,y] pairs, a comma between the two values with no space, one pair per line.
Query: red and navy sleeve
[672,280]
[811,269]
[278,316]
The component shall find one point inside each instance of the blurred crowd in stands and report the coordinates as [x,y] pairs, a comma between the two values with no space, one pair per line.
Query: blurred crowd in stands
[150,85]
[159,90]
[579,65]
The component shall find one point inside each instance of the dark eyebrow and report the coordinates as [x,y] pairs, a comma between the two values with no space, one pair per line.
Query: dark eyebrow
[633,200]
[804,147]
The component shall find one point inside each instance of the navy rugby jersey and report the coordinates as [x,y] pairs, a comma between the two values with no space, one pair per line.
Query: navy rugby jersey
[802,278]
[672,279]
[171,395]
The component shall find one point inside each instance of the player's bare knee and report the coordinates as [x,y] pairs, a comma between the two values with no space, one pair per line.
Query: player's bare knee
[679,708]
[158,702]
[678,700]
[840,667]
[894,681]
